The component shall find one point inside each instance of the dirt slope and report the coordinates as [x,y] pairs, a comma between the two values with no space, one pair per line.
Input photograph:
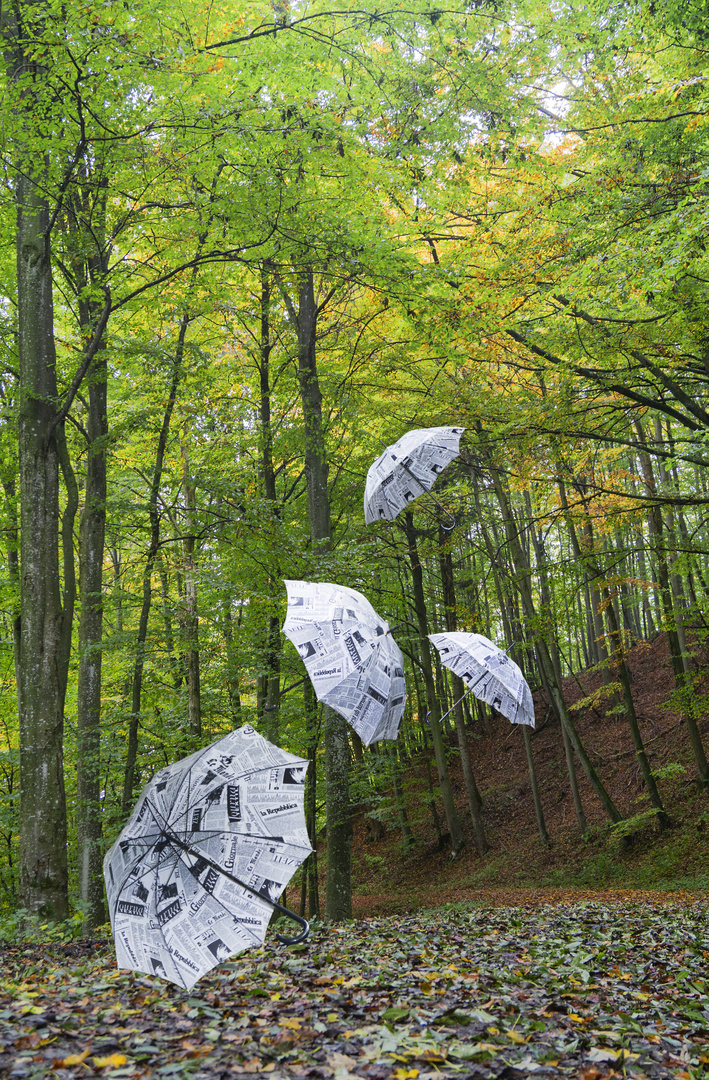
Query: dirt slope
[387,879]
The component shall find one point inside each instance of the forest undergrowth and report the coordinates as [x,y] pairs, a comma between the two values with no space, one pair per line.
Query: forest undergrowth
[632,855]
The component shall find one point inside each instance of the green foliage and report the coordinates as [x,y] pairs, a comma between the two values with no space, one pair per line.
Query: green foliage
[23,927]
[669,771]
[494,243]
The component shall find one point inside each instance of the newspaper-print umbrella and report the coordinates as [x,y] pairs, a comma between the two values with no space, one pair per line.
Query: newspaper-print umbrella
[353,662]
[488,672]
[407,469]
[212,842]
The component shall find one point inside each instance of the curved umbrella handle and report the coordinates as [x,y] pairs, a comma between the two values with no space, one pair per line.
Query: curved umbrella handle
[303,923]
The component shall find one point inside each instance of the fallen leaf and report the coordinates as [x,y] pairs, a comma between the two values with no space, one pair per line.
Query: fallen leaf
[113,1060]
[75,1059]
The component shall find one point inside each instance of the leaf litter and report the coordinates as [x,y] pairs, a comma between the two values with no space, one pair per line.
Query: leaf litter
[592,990]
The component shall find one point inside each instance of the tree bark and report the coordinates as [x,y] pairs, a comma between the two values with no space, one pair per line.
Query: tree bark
[92,541]
[338,893]
[131,764]
[451,621]
[456,833]
[190,616]
[43,874]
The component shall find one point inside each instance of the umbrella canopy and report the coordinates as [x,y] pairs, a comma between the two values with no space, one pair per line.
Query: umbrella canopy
[211,844]
[407,469]
[488,672]
[353,662]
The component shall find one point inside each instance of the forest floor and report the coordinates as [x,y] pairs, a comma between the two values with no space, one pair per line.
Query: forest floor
[593,990]
[588,959]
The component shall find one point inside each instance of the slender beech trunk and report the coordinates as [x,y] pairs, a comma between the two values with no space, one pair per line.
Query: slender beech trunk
[338,896]
[271,682]
[451,621]
[173,662]
[190,614]
[232,674]
[683,681]
[456,833]
[619,662]
[495,562]
[92,543]
[546,666]
[311,799]
[406,833]
[153,548]
[421,711]
[92,540]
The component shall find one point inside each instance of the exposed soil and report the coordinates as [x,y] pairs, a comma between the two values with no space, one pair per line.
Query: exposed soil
[519,866]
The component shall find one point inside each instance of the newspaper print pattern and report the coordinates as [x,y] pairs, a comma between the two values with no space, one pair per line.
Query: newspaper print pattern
[407,469]
[486,670]
[353,662]
[237,805]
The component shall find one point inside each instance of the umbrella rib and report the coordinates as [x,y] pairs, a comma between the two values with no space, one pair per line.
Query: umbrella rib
[232,877]
[136,840]
[251,772]
[204,836]
[162,932]
[178,858]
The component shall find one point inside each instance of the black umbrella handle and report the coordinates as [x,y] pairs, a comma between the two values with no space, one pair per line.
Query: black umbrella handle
[302,923]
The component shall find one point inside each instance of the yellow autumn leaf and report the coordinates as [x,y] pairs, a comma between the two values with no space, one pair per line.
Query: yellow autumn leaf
[75,1059]
[290,1022]
[114,1061]
[515,1037]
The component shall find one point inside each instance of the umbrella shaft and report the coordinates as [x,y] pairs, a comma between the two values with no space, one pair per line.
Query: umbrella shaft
[303,923]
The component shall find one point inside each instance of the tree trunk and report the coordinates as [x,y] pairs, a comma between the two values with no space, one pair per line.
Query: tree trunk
[546,666]
[190,616]
[271,683]
[311,800]
[456,833]
[495,562]
[153,547]
[451,620]
[92,541]
[43,828]
[682,680]
[92,538]
[338,896]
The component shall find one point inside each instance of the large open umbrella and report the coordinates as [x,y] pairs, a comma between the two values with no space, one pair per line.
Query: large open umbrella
[407,469]
[353,662]
[488,672]
[195,875]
